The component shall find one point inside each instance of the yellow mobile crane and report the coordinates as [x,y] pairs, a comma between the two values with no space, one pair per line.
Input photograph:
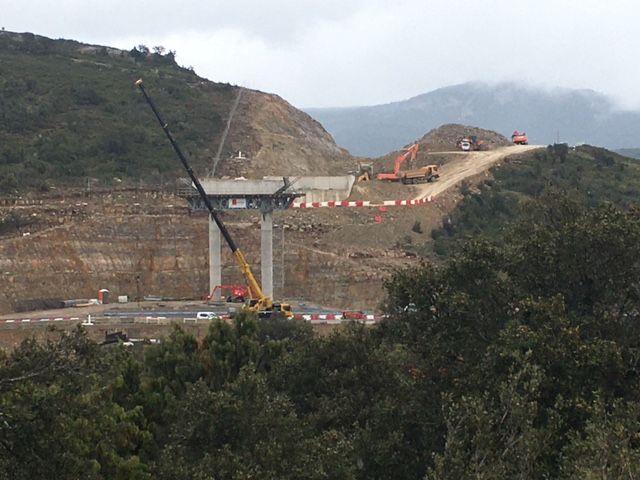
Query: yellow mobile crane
[258,301]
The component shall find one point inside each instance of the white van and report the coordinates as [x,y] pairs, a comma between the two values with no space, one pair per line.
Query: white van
[206,316]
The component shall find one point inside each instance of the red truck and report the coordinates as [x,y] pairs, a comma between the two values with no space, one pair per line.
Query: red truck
[235,293]
[519,138]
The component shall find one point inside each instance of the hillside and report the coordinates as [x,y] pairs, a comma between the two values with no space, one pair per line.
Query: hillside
[593,176]
[444,138]
[437,145]
[70,245]
[575,116]
[140,242]
[629,152]
[70,114]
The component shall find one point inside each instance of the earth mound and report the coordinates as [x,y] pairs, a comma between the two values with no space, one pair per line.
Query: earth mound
[444,138]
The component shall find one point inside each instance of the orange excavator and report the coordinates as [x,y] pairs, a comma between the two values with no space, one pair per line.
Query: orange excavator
[424,174]
[409,153]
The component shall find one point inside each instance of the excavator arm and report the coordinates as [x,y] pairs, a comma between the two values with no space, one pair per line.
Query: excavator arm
[410,153]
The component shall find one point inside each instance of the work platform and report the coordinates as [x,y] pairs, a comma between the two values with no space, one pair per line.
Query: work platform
[261,193]
[241,194]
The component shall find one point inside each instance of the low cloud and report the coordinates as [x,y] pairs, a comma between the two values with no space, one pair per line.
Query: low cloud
[337,53]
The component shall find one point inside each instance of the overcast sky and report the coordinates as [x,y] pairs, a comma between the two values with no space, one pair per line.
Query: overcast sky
[364,52]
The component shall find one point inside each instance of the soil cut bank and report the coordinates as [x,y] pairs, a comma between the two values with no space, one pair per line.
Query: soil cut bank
[140,243]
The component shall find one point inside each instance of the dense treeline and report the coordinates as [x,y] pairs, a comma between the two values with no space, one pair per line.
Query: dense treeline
[514,359]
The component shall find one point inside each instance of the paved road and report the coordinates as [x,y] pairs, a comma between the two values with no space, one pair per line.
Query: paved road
[307,313]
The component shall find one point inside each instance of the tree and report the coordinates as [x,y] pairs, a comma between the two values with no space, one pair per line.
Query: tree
[247,431]
[227,348]
[373,393]
[525,334]
[58,418]
[608,446]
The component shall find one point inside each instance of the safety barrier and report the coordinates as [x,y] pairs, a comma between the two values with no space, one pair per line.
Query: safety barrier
[364,203]
[328,318]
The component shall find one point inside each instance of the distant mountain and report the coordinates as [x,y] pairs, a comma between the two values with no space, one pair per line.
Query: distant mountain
[573,116]
[629,152]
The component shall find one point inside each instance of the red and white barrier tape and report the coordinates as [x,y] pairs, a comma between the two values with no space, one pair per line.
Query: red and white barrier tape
[310,317]
[331,318]
[364,203]
[34,320]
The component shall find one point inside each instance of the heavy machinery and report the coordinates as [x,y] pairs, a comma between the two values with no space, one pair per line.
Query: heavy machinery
[232,293]
[424,174]
[519,138]
[410,153]
[364,173]
[258,301]
[464,144]
[470,143]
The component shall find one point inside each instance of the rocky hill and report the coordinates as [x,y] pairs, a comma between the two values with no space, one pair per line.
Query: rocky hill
[69,114]
[440,140]
[278,139]
[573,116]
[444,138]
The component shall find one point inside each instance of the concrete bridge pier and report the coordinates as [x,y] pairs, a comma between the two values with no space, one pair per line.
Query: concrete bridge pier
[215,258]
[266,252]
[266,249]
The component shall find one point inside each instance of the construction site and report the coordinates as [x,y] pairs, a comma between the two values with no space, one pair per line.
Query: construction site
[320,241]
[261,209]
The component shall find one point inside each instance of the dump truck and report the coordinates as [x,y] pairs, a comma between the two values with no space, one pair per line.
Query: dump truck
[467,144]
[464,144]
[424,174]
[519,138]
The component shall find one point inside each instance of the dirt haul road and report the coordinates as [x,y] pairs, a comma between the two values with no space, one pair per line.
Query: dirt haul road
[468,165]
